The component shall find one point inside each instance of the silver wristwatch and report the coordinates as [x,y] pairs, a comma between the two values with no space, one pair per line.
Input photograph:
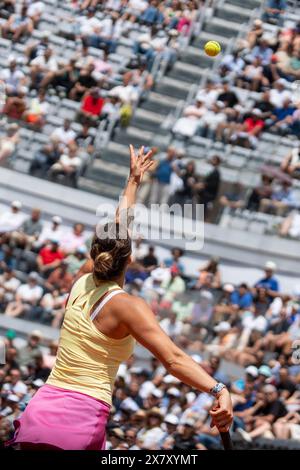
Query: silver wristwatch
[217,389]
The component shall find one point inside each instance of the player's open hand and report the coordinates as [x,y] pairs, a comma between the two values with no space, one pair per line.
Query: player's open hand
[139,164]
[222,414]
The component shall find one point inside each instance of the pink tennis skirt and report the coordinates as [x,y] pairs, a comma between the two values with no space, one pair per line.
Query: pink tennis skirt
[62,419]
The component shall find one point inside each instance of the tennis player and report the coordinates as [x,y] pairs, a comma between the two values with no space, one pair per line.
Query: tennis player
[101,324]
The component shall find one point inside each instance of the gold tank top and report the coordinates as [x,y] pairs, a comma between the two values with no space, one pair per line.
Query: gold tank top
[87,360]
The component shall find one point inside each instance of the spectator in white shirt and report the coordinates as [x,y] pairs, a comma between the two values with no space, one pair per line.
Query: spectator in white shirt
[189,123]
[13,218]
[278,94]
[67,165]
[15,385]
[27,296]
[9,284]
[64,135]
[14,79]
[43,68]
[171,326]
[35,10]
[51,232]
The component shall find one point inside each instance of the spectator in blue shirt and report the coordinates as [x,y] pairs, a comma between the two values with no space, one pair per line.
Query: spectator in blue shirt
[281,117]
[274,12]
[152,15]
[160,189]
[269,282]
[280,201]
[241,297]
[263,51]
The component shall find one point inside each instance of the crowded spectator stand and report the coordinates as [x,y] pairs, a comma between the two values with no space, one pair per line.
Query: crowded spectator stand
[67,94]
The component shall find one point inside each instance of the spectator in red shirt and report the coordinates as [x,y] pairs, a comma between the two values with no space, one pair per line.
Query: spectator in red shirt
[91,106]
[249,131]
[49,258]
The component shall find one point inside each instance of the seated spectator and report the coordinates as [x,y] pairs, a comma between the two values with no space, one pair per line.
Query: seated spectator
[269,282]
[27,297]
[37,48]
[233,199]
[9,142]
[262,51]
[241,298]
[227,96]
[45,158]
[280,201]
[9,285]
[291,163]
[255,33]
[18,25]
[73,239]
[91,107]
[76,260]
[85,140]
[64,135]
[15,106]
[251,77]
[29,231]
[150,261]
[172,287]
[212,119]
[60,279]
[188,125]
[12,219]
[53,231]
[28,353]
[49,258]
[35,10]
[68,165]
[264,191]
[279,94]
[13,77]
[43,68]
[84,82]
[248,132]
[280,120]
[35,115]
[260,418]
[274,11]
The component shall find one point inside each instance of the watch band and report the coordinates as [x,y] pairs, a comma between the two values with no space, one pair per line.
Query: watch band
[217,389]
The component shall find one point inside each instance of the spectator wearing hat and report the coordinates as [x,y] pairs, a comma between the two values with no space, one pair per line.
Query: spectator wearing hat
[27,297]
[185,438]
[151,434]
[76,260]
[52,231]
[12,218]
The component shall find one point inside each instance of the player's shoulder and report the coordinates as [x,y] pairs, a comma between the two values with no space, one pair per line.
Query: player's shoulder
[127,301]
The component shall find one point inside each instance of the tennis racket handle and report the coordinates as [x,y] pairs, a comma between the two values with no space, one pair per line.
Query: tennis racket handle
[226,440]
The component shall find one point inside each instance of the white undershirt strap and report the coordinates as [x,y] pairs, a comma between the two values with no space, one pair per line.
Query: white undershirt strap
[104,302]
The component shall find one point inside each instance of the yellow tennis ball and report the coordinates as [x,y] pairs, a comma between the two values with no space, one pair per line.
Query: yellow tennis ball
[212,48]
